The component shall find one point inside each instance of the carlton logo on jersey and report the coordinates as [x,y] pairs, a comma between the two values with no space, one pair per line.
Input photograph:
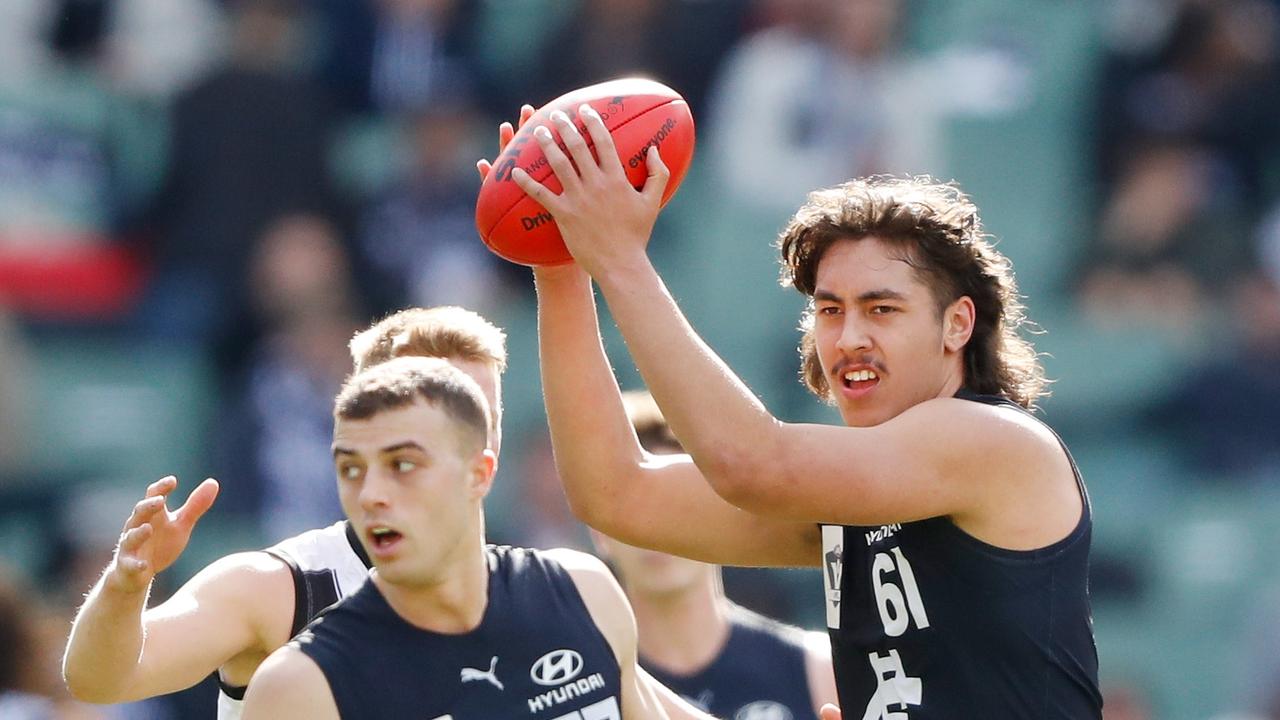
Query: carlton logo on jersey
[561,668]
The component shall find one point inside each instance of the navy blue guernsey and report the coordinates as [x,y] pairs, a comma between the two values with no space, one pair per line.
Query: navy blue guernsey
[535,654]
[758,675]
[928,622]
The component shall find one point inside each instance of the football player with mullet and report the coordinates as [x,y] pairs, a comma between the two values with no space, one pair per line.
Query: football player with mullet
[235,612]
[951,524]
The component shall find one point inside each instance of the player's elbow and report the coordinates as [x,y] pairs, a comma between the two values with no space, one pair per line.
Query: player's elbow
[89,687]
[742,477]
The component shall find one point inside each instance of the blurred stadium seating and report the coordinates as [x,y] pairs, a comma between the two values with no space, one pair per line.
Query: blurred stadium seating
[1185,555]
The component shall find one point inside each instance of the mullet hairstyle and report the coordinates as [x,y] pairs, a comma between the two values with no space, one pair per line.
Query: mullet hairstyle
[937,229]
[400,382]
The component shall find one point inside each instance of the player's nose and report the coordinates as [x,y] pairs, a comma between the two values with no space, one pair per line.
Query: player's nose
[854,335]
[374,491]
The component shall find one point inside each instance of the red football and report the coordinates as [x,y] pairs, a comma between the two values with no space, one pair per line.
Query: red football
[638,113]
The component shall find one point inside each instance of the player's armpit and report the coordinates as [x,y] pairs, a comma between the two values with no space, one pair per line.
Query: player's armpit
[289,686]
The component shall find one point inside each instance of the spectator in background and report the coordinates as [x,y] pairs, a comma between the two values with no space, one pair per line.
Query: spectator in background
[65,139]
[249,143]
[19,699]
[420,48]
[13,381]
[678,42]
[1171,239]
[418,236]
[830,95]
[155,48]
[1185,125]
[30,640]
[1199,73]
[279,433]
[1225,412]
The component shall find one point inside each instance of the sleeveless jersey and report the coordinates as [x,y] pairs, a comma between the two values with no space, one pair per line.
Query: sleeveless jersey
[759,674]
[328,564]
[536,653]
[928,622]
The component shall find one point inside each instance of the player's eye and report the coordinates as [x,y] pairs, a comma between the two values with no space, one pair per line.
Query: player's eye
[349,471]
[829,310]
[404,466]
[883,309]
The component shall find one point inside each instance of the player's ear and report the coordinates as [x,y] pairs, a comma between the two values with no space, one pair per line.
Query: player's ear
[957,323]
[483,465]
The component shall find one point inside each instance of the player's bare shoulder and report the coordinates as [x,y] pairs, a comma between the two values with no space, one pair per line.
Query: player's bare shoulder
[992,434]
[289,684]
[260,588]
[602,595]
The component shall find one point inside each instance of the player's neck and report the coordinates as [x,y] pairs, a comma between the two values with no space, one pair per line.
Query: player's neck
[682,633]
[452,606]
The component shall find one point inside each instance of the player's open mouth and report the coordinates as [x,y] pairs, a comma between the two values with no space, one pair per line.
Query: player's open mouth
[382,537]
[859,381]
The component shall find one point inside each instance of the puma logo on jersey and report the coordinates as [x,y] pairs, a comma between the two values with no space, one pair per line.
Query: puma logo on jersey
[471,674]
[885,532]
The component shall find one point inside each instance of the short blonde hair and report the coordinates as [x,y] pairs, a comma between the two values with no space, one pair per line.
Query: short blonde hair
[447,332]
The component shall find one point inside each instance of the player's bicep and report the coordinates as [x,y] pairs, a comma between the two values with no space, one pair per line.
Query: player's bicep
[214,617]
[674,510]
[288,686]
[927,462]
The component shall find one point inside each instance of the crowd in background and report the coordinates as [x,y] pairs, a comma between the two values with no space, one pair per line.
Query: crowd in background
[221,192]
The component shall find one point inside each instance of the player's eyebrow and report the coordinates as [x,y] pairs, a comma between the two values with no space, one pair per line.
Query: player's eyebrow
[881,294]
[877,294]
[407,445]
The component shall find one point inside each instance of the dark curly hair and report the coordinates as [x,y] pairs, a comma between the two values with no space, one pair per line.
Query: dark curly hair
[937,228]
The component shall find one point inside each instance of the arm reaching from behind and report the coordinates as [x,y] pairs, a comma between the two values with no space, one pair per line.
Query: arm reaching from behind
[107,636]
[120,651]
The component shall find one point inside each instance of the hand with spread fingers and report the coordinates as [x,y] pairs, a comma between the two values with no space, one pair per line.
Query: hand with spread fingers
[154,537]
[605,222]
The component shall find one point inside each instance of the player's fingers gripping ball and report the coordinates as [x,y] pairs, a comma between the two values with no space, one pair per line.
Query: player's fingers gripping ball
[638,114]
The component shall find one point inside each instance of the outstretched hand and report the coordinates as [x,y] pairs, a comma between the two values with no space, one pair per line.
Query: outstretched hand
[154,536]
[604,221]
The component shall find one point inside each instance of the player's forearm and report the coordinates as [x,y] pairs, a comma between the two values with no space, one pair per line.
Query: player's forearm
[595,447]
[105,646]
[719,421]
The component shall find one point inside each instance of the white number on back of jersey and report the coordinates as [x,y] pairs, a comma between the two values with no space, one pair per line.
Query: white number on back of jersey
[606,709]
[895,609]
